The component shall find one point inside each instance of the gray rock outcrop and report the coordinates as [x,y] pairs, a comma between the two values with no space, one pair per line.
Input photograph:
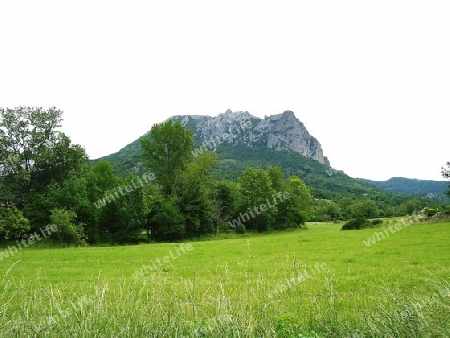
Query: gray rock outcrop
[280,132]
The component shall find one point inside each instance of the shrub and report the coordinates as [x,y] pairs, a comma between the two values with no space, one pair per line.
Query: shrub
[240,229]
[357,224]
[13,225]
[429,212]
[224,228]
[68,232]
[376,222]
[165,221]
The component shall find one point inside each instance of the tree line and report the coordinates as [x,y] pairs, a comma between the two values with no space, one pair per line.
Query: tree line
[46,179]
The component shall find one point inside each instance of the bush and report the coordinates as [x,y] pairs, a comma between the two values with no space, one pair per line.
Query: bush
[357,224]
[376,222]
[224,228]
[361,223]
[429,212]
[68,232]
[13,225]
[240,229]
[165,221]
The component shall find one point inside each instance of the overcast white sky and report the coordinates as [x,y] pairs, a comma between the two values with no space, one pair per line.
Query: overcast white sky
[370,80]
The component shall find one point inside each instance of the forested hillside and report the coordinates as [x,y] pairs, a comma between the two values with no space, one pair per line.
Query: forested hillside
[434,190]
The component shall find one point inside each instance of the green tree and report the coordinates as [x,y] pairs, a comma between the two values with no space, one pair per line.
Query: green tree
[296,207]
[100,180]
[363,209]
[411,206]
[165,222]
[167,152]
[276,178]
[33,154]
[226,201]
[345,203]
[123,218]
[326,210]
[68,232]
[256,190]
[194,193]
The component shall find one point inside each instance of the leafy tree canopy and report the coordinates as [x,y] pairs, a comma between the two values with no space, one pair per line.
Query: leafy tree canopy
[33,153]
[167,152]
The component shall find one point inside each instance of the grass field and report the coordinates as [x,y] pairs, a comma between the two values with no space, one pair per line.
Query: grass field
[318,282]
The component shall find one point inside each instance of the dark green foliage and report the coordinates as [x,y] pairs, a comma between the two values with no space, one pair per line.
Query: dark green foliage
[360,223]
[33,154]
[256,190]
[297,203]
[196,208]
[13,225]
[376,222]
[410,206]
[77,193]
[240,229]
[123,219]
[224,228]
[364,208]
[356,224]
[193,196]
[102,178]
[276,178]
[39,167]
[227,198]
[326,210]
[165,222]
[186,185]
[68,232]
[344,204]
[74,192]
[167,153]
[235,159]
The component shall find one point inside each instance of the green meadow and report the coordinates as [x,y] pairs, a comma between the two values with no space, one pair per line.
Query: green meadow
[314,282]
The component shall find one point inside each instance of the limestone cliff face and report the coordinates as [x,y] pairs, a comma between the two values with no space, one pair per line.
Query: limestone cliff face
[281,132]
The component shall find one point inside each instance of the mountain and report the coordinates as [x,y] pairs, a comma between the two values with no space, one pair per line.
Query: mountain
[242,140]
[415,187]
[238,130]
[280,132]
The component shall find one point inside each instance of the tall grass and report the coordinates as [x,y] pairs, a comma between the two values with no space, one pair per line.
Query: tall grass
[399,287]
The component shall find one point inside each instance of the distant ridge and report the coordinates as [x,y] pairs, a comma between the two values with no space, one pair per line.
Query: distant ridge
[409,186]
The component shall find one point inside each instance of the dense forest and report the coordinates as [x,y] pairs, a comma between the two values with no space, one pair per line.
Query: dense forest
[167,194]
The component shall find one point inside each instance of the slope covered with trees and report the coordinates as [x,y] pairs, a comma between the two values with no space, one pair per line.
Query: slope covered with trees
[413,187]
[329,187]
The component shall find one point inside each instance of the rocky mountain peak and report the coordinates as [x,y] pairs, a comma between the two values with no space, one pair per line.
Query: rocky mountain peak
[280,132]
